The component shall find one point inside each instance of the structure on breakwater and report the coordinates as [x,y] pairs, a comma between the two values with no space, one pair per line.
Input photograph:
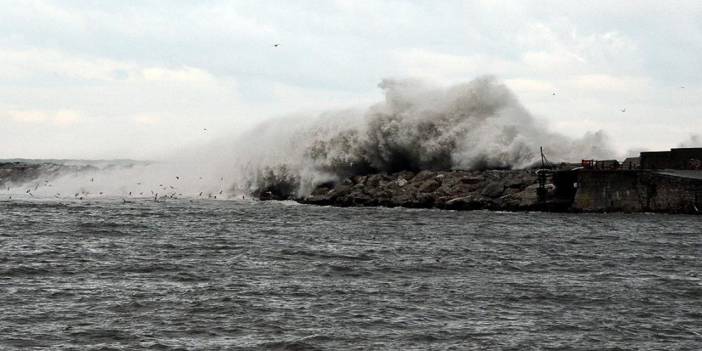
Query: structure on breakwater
[669,191]
[664,181]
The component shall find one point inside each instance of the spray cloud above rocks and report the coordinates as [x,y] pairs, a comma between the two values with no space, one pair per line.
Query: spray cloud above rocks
[475,125]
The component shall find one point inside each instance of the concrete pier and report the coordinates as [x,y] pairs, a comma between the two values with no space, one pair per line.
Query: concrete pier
[670,191]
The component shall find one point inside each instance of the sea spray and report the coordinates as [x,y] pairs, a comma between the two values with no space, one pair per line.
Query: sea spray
[475,125]
[471,126]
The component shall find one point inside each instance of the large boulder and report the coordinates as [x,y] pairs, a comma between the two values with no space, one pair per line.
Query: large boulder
[360,180]
[401,182]
[470,202]
[471,179]
[493,190]
[429,185]
[423,175]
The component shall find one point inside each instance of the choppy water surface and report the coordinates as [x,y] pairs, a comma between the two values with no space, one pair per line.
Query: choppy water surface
[241,275]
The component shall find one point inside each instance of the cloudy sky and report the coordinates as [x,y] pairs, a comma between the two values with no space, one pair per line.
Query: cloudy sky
[140,79]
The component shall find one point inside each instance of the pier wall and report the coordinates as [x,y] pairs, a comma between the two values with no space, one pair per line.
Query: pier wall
[637,191]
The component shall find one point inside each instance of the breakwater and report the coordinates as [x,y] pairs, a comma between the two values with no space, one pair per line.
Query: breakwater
[574,190]
[516,190]
[460,190]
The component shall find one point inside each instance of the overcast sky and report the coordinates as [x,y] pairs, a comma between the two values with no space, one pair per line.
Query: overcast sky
[139,79]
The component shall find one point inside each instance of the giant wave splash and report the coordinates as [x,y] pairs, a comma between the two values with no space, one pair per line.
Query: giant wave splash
[476,125]
[471,126]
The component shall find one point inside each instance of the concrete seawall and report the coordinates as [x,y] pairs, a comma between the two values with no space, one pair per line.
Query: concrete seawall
[638,191]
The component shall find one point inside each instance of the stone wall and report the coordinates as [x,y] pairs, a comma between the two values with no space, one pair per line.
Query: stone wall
[655,160]
[637,191]
[680,158]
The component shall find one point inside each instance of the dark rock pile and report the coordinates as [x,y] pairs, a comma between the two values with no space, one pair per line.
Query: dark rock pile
[461,190]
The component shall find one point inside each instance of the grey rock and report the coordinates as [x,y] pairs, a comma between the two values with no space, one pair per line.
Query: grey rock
[471,180]
[460,190]
[429,186]
[493,190]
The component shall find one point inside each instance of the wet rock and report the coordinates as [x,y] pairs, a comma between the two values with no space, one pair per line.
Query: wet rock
[429,186]
[401,182]
[379,180]
[493,190]
[422,176]
[470,202]
[460,190]
[406,175]
[320,190]
[471,180]
[361,180]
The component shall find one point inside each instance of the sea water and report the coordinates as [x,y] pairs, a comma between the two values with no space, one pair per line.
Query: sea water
[239,275]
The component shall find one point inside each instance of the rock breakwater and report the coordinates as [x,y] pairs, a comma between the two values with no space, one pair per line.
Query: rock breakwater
[511,190]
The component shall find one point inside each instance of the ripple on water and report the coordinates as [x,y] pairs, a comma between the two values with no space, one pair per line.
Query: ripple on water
[228,275]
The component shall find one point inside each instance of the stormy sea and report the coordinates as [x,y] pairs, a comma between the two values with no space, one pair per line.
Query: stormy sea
[105,274]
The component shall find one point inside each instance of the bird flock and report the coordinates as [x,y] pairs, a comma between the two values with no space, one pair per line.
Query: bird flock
[158,194]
